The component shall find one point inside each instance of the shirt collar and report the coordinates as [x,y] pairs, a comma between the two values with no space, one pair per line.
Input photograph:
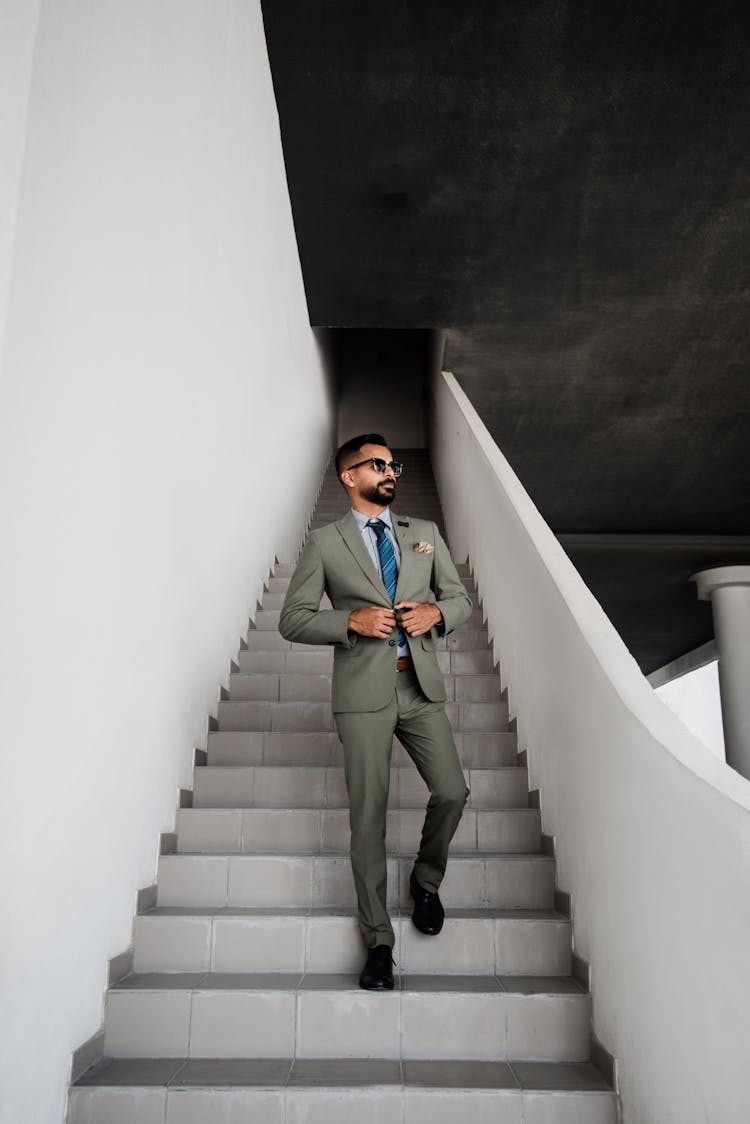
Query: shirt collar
[363,520]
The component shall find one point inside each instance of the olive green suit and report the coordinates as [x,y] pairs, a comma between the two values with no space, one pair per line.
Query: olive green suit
[372,700]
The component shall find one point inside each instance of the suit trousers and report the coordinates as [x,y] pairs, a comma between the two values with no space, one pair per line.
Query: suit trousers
[423,729]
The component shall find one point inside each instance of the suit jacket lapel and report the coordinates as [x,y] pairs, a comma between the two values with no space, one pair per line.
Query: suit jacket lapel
[405,546]
[352,536]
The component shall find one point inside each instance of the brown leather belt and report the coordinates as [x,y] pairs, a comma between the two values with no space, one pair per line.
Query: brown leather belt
[404,664]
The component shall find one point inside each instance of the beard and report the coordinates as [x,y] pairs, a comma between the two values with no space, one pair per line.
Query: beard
[384,492]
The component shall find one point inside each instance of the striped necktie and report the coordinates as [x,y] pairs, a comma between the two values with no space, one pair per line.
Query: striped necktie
[388,565]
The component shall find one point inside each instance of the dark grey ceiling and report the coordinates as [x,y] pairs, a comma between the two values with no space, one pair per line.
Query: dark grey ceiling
[565,186]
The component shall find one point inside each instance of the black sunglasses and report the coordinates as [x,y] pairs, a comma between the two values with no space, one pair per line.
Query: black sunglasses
[380,465]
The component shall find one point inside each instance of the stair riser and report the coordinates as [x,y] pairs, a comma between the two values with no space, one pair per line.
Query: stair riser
[283,1023]
[368,1105]
[288,687]
[243,748]
[280,882]
[274,599]
[464,640]
[479,717]
[276,585]
[321,663]
[311,830]
[277,943]
[270,786]
[267,620]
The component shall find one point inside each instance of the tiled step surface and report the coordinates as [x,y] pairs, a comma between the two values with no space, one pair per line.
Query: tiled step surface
[275,599]
[317,830]
[464,716]
[474,942]
[280,786]
[276,585]
[267,640]
[308,687]
[325,881]
[320,662]
[258,747]
[325,1091]
[244,1004]
[276,1015]
[267,620]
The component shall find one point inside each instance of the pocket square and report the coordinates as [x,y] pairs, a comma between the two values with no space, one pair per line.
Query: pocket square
[423,548]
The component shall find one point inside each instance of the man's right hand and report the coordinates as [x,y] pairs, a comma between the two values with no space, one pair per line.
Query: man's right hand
[376,622]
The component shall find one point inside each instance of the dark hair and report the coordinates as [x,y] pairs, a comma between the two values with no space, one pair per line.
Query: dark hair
[354,444]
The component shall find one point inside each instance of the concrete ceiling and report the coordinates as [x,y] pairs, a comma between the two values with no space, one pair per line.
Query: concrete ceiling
[564,186]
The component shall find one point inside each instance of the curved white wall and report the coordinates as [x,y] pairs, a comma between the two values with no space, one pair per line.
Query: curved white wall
[164,422]
[652,832]
[18,26]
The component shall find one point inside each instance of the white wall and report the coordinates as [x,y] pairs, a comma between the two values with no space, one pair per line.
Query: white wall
[164,422]
[652,833]
[696,699]
[18,26]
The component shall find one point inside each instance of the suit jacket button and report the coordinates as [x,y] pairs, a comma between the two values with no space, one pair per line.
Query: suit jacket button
[391,642]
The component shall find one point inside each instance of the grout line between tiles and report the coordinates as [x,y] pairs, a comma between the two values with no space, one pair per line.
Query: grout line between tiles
[212,944]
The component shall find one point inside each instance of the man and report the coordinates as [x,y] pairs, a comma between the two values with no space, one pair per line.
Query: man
[380,572]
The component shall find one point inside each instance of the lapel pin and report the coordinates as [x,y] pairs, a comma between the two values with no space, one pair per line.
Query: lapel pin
[402,523]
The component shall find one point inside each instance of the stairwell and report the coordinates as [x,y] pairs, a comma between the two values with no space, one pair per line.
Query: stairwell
[243,1004]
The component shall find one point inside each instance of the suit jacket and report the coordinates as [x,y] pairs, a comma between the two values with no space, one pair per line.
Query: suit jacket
[335,561]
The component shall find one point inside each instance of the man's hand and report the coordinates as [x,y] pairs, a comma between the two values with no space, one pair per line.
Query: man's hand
[418,617]
[376,622]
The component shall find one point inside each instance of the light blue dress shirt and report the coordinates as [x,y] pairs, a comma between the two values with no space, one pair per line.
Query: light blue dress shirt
[371,542]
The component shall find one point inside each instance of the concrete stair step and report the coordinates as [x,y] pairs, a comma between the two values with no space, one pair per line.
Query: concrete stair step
[267,620]
[274,601]
[279,663]
[320,662]
[416,504]
[281,584]
[432,516]
[284,569]
[325,880]
[240,748]
[464,640]
[337,1091]
[289,686]
[239,1015]
[324,786]
[316,830]
[268,640]
[264,641]
[520,942]
[471,717]
[260,747]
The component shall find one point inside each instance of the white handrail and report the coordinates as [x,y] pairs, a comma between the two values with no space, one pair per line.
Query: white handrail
[652,832]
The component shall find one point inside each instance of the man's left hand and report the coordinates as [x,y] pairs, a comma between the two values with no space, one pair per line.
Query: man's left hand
[417,617]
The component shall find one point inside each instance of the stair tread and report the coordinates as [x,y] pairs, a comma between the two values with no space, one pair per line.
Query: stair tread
[532,813]
[454,914]
[406,767]
[308,856]
[342,1072]
[341,981]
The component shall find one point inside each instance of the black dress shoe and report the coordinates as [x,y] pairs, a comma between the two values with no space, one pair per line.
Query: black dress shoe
[428,915]
[377,974]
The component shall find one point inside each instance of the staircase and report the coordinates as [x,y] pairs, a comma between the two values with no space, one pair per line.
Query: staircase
[243,1004]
